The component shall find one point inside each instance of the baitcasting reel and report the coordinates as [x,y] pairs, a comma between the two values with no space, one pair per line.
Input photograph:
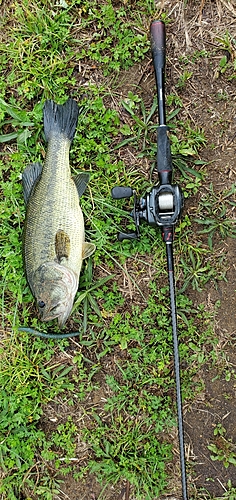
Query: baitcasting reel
[161,207]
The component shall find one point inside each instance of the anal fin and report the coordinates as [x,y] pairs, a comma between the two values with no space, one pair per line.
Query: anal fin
[81,180]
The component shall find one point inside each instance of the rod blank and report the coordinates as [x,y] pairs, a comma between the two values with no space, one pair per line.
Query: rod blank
[170,267]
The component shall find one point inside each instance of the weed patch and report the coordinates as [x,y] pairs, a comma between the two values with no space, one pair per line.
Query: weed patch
[122,306]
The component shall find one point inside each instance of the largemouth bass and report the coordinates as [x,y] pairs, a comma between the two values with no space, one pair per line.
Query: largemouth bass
[54,244]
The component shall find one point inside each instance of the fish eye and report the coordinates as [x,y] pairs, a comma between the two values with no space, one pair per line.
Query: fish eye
[41,304]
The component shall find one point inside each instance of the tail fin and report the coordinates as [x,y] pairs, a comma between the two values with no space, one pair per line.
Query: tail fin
[60,118]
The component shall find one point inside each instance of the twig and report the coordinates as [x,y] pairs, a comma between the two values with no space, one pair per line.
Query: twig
[201,9]
[127,490]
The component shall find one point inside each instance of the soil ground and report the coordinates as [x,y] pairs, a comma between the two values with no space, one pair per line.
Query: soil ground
[210,103]
[209,99]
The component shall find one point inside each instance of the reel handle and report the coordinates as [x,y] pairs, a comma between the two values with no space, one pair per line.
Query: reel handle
[117,193]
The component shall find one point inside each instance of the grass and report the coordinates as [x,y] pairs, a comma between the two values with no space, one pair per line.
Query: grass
[223,449]
[122,307]
[227,64]
[215,216]
[26,384]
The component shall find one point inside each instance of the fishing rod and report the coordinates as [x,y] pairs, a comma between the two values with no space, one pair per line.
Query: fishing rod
[161,208]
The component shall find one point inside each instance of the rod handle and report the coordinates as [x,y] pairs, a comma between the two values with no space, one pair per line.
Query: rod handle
[158,44]
[164,161]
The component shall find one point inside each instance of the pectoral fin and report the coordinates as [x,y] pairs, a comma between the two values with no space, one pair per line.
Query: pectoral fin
[88,249]
[81,181]
[62,245]
[30,177]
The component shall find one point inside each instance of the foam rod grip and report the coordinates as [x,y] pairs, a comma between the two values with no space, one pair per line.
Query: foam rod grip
[158,44]
[119,192]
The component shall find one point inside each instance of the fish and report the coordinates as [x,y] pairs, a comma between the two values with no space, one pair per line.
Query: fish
[54,245]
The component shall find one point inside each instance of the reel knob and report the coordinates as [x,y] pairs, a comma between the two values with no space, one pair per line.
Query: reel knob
[119,192]
[127,236]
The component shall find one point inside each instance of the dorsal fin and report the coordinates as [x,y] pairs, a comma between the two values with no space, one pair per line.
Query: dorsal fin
[30,177]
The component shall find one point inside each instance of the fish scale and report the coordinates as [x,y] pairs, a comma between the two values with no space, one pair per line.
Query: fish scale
[54,206]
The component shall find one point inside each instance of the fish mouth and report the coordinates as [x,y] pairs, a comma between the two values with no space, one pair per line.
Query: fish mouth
[55,297]
[60,312]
